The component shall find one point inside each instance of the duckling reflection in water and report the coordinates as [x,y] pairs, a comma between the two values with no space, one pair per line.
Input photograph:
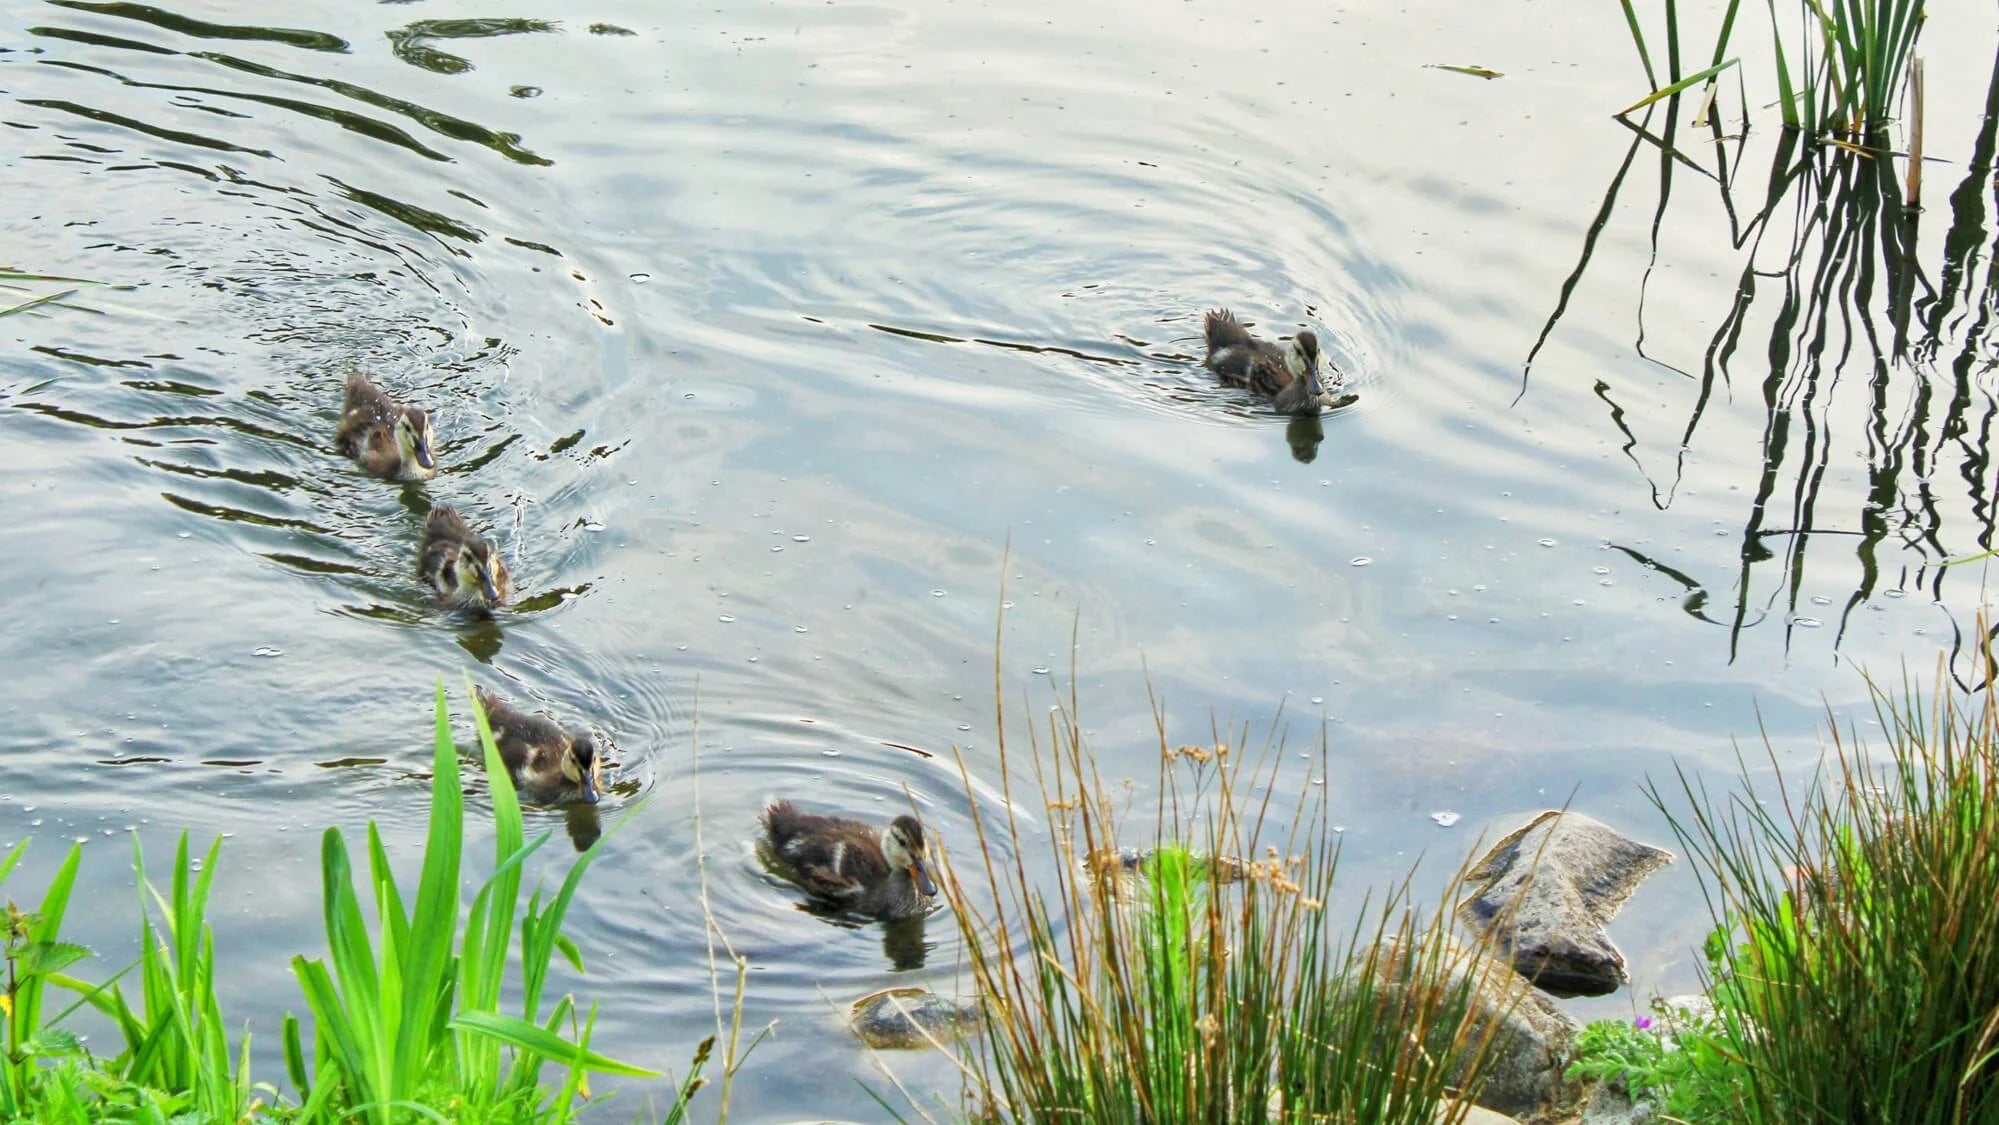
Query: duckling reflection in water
[849,864]
[460,565]
[548,765]
[1289,377]
[388,439]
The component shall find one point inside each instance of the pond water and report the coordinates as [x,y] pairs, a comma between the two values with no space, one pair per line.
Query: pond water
[780,342]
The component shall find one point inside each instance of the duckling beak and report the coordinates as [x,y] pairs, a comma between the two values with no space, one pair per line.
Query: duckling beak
[487,587]
[921,874]
[423,454]
[589,789]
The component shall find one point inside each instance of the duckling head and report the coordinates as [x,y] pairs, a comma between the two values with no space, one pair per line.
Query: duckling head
[581,764]
[1304,361]
[474,578]
[902,846]
[413,443]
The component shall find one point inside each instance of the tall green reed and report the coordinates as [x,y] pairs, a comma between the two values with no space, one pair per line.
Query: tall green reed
[405,1026]
[1858,923]
[1840,76]
[1207,984]
[416,1019]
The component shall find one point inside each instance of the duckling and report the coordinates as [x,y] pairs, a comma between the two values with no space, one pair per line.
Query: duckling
[1288,377]
[389,440]
[463,568]
[549,765]
[849,864]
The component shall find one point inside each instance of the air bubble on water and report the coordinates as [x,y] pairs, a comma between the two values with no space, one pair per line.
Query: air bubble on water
[1446,818]
[1547,542]
[776,547]
[680,648]
[1450,617]
[801,539]
[798,629]
[1807,622]
[964,726]
[829,752]
[753,660]
[1821,599]
[1318,699]
[1451,593]
[184,534]
[641,278]
[1894,593]
[1006,605]
[267,650]
[726,618]
[1040,671]
[593,525]
[1600,570]
[1359,560]
[936,593]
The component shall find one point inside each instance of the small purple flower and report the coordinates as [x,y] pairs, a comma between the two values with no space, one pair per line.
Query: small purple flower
[1642,1023]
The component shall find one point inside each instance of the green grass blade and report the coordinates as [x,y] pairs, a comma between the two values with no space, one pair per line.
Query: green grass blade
[1690,80]
[353,957]
[535,1039]
[32,302]
[436,919]
[1638,40]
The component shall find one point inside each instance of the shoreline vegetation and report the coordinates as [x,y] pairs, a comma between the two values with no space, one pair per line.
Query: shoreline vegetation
[403,1017]
[1853,964]
[1853,970]
[1200,979]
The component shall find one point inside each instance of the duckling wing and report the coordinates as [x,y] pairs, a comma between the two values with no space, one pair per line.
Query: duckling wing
[1232,364]
[829,857]
[838,868]
[1267,374]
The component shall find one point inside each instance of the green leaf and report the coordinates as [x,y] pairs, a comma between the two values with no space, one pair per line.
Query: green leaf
[1690,80]
[525,1036]
[44,957]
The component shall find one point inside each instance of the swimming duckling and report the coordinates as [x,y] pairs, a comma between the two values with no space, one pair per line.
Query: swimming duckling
[549,765]
[1287,376]
[463,568]
[849,864]
[390,440]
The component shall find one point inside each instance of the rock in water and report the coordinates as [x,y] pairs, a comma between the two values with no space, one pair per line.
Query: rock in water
[1544,893]
[901,1019]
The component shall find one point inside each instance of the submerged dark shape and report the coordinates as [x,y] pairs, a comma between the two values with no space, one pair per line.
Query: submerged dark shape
[461,565]
[1289,377]
[548,765]
[849,864]
[388,439]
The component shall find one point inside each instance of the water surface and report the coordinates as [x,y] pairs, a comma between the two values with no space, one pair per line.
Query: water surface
[780,343]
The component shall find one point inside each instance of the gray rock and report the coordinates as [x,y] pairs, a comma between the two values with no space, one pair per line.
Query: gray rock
[1529,1040]
[1609,1104]
[1544,893]
[1451,1112]
[901,1019]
